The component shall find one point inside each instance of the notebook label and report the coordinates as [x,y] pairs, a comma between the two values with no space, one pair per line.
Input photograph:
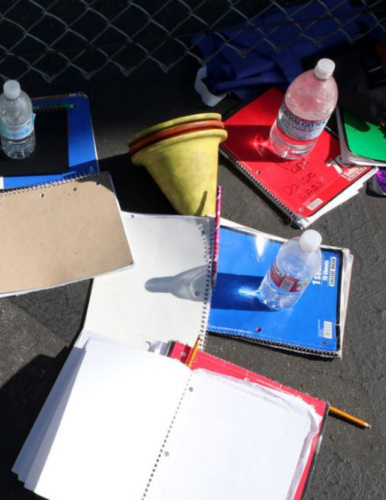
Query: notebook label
[327,330]
[315,204]
[18,131]
[286,282]
[298,128]
[332,275]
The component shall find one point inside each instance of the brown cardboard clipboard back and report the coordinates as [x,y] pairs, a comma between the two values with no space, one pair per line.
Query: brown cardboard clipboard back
[60,233]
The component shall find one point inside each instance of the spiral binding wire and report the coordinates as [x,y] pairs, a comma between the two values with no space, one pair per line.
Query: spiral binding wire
[281,345]
[209,248]
[47,185]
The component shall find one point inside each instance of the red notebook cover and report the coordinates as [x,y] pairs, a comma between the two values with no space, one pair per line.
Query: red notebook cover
[300,187]
[218,365]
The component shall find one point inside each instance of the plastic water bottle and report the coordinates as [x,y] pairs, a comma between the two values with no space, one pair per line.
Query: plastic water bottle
[16,121]
[296,263]
[308,104]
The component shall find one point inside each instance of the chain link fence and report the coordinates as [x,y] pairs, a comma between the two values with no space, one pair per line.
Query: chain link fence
[95,38]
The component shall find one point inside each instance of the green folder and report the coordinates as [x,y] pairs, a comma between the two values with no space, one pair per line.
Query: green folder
[364,138]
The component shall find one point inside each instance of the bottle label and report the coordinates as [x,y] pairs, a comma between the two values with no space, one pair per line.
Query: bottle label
[286,282]
[298,128]
[17,132]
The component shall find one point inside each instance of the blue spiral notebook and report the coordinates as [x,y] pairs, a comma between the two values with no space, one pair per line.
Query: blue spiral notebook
[315,325]
[70,155]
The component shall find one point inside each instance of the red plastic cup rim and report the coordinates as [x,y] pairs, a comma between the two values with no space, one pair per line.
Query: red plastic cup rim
[175,131]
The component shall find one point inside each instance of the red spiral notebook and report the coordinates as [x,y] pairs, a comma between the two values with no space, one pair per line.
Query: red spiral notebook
[304,189]
[212,363]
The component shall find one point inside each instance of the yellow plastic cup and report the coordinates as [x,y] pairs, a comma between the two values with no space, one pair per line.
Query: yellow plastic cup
[185,168]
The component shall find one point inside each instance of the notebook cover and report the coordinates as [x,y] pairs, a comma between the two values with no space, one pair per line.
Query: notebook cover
[314,325]
[60,233]
[299,187]
[78,139]
[218,365]
[364,139]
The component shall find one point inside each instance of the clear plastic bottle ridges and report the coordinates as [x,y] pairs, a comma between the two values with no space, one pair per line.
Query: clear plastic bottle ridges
[308,104]
[16,121]
[296,263]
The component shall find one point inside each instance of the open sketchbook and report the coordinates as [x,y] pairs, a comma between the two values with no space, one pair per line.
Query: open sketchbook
[304,189]
[60,233]
[64,139]
[166,294]
[315,325]
[122,423]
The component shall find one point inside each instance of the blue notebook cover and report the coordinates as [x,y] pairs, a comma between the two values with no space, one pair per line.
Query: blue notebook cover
[314,325]
[82,155]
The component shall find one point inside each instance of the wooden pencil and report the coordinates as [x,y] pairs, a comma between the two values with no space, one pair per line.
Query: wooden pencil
[350,418]
[194,351]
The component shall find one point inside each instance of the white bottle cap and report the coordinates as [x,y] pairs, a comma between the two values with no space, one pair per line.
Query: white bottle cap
[324,69]
[11,89]
[310,240]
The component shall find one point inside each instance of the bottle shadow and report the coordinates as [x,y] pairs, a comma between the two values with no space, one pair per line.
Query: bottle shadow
[235,292]
[21,399]
[188,285]
[232,291]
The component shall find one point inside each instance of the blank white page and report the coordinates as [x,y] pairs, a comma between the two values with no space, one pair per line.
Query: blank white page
[114,424]
[233,440]
[166,294]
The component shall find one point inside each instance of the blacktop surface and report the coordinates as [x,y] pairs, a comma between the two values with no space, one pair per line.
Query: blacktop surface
[38,329]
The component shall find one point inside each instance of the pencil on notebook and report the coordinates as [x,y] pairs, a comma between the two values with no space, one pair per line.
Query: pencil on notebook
[194,351]
[350,418]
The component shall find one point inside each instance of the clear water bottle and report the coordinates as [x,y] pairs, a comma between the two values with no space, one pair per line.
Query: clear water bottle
[308,104]
[296,263]
[16,121]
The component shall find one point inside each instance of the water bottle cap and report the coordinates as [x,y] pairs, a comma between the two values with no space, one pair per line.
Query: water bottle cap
[310,240]
[324,69]
[11,89]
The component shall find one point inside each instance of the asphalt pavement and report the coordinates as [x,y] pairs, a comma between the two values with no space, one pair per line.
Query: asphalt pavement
[38,329]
